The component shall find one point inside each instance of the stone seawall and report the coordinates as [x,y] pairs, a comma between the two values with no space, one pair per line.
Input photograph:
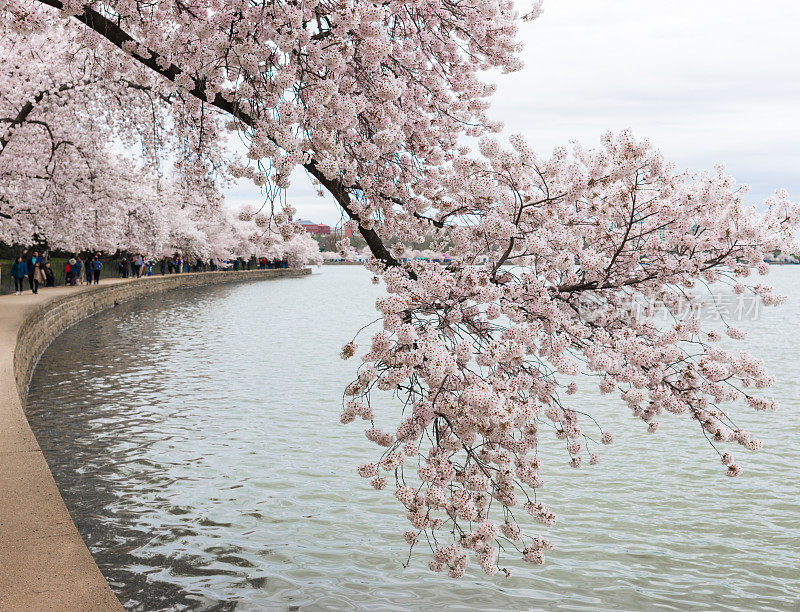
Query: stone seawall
[44,564]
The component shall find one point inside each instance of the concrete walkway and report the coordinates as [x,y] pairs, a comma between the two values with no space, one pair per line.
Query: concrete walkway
[44,564]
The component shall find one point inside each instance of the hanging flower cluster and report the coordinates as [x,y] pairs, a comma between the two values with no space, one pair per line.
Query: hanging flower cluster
[486,351]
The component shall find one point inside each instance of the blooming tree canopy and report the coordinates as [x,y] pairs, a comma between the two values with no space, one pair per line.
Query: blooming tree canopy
[60,182]
[379,103]
[65,106]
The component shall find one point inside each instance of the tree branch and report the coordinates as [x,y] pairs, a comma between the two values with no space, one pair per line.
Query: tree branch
[26,110]
[114,33]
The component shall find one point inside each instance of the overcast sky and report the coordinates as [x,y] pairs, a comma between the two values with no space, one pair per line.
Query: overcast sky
[708,81]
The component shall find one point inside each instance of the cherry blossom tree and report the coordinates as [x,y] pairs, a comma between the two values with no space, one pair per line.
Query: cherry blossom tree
[60,184]
[65,107]
[379,103]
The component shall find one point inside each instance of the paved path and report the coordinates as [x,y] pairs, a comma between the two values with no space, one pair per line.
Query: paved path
[44,563]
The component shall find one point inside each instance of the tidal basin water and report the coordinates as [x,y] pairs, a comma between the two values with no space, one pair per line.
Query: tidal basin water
[196,441]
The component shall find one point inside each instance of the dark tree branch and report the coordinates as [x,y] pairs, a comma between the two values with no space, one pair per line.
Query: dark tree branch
[26,110]
[113,32]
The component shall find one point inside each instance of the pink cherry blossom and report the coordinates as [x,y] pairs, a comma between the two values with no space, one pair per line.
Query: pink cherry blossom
[534,261]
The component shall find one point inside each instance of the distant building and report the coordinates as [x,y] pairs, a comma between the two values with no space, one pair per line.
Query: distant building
[315,229]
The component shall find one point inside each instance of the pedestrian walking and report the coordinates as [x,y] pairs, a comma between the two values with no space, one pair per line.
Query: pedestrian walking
[38,277]
[77,269]
[97,266]
[32,261]
[19,271]
[138,264]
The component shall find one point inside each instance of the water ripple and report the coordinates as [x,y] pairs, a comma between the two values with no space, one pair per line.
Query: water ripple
[195,439]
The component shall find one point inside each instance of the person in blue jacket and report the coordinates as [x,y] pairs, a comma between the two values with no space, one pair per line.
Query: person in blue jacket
[77,269]
[18,272]
[97,265]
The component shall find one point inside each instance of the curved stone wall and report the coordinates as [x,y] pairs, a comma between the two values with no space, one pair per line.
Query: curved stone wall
[44,564]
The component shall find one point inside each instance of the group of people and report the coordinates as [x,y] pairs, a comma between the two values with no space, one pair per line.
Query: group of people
[135,267]
[270,264]
[35,270]
[77,271]
[38,272]
[176,265]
